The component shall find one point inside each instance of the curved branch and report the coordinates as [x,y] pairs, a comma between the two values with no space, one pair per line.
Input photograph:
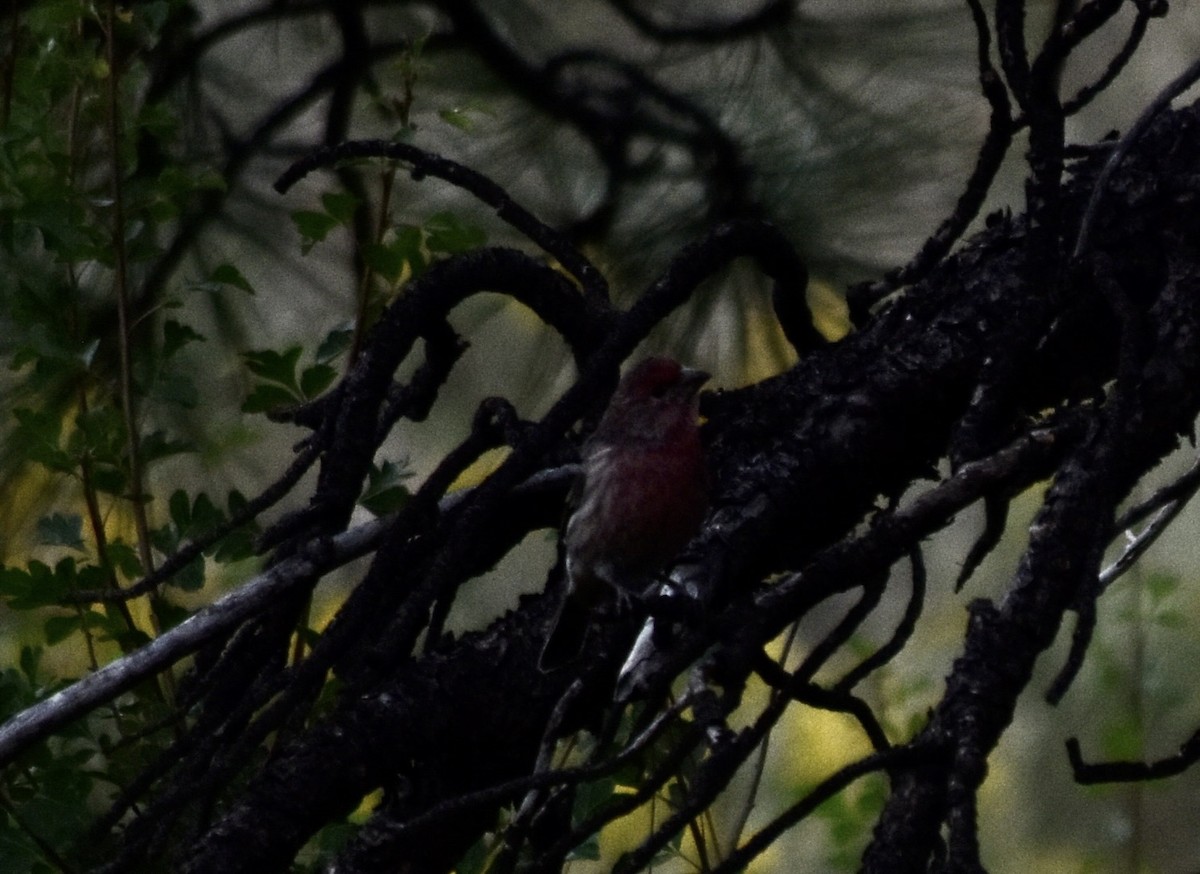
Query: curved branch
[1136,131]
[193,549]
[1091,773]
[992,151]
[428,164]
[885,760]
[1117,63]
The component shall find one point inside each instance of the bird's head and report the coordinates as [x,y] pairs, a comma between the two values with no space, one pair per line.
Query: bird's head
[654,402]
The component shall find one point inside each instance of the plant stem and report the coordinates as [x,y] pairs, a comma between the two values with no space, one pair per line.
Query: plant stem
[387,178]
[137,494]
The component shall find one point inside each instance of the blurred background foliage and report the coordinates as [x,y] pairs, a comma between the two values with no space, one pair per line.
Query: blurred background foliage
[157,298]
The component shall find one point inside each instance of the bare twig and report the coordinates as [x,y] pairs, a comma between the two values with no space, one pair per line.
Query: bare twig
[192,549]
[830,786]
[1088,773]
[1173,89]
[42,718]
[427,164]
[1142,541]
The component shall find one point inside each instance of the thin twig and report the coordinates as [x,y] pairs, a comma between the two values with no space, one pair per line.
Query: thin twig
[714,775]
[545,756]
[1142,541]
[38,720]
[192,549]
[987,163]
[900,637]
[1173,89]
[1087,93]
[540,779]
[137,496]
[830,786]
[1088,773]
[1180,489]
[427,164]
[760,762]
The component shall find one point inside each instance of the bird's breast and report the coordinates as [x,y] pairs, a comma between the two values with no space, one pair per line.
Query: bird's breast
[637,508]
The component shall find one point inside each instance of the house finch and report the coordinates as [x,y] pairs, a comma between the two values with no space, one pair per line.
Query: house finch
[641,496]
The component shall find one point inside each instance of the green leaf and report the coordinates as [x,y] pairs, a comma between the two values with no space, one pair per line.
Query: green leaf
[100,434]
[109,480]
[848,816]
[37,585]
[1123,737]
[195,518]
[14,582]
[235,502]
[265,398]
[1172,619]
[464,117]
[205,516]
[386,259]
[335,343]
[159,120]
[227,274]
[180,509]
[58,628]
[31,657]
[341,205]
[313,227]
[37,436]
[458,117]
[209,178]
[236,545]
[169,615]
[385,492]
[324,846]
[92,576]
[124,559]
[476,859]
[114,627]
[176,335]
[316,379]
[1161,586]
[55,587]
[125,637]
[61,530]
[239,543]
[409,242]
[46,17]
[278,367]
[189,578]
[446,232]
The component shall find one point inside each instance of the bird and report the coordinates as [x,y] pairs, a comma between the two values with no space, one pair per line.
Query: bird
[641,496]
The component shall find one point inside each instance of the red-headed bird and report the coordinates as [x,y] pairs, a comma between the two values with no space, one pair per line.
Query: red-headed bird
[641,496]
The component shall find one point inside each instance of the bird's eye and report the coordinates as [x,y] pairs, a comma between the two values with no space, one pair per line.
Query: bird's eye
[659,390]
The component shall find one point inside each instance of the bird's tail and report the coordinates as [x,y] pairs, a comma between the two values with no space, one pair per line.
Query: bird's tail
[565,641]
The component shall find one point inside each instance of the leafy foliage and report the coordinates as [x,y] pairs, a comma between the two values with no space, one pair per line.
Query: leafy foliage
[94,182]
[108,181]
